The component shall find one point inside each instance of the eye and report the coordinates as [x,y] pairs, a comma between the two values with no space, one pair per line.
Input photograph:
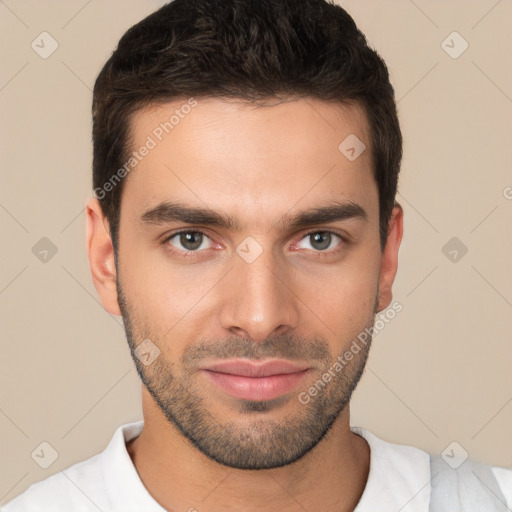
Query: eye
[188,241]
[321,241]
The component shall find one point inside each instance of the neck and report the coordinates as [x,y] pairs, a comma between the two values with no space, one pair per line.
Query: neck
[331,476]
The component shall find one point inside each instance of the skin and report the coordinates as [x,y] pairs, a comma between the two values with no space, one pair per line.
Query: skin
[295,301]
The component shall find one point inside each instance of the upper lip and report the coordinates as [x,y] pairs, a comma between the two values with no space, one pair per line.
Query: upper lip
[255,369]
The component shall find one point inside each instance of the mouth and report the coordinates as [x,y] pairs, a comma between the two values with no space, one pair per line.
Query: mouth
[249,380]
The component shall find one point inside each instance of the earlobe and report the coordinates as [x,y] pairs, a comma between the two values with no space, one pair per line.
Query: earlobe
[100,252]
[389,259]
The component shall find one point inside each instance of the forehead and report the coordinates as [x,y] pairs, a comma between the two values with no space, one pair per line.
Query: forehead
[251,161]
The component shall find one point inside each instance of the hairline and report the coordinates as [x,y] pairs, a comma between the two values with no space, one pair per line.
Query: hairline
[139,108]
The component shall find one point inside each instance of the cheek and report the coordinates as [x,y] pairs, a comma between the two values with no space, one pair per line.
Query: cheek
[343,296]
[344,305]
[167,296]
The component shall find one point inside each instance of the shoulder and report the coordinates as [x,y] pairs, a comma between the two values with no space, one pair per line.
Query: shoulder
[406,474]
[68,488]
[88,484]
[504,478]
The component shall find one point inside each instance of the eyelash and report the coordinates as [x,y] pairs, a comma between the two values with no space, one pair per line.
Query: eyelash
[189,254]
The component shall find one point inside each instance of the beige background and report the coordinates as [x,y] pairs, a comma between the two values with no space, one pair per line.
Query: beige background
[439,372]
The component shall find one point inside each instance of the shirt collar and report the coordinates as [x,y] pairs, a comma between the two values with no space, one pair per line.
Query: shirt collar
[399,477]
[124,486]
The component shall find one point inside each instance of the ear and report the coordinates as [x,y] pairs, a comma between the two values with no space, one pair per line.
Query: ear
[389,259]
[100,252]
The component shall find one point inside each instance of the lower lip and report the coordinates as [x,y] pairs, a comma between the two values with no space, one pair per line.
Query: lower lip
[256,388]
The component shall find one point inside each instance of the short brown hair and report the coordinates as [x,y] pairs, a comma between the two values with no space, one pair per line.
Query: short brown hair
[245,49]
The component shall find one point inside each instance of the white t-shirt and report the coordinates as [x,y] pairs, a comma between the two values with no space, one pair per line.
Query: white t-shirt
[399,479]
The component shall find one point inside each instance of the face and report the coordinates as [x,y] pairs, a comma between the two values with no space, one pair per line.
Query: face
[247,236]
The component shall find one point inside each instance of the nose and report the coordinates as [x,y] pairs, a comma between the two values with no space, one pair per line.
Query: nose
[258,299]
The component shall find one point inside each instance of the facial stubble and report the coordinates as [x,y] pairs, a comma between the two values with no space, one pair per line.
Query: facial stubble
[256,440]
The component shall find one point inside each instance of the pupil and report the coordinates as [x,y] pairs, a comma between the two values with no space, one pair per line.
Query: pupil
[322,239]
[187,240]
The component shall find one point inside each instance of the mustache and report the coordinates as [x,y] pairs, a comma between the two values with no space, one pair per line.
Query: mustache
[281,346]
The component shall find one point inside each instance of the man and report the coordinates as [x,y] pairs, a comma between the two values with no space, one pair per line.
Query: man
[244,224]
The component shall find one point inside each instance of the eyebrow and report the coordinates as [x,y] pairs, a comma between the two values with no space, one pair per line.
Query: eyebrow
[168,212]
